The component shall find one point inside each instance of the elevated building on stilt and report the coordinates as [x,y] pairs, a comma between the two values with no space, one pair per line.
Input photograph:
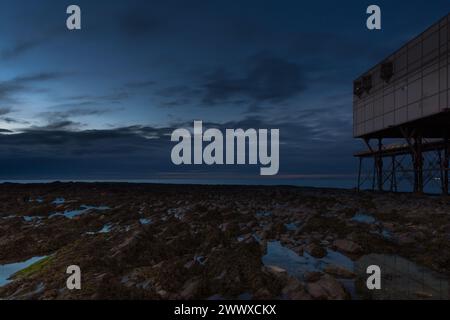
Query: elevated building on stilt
[401,110]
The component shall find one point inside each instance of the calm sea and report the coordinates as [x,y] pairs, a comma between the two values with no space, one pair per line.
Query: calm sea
[340,183]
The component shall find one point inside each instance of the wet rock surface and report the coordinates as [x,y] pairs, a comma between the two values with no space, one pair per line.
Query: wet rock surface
[143,241]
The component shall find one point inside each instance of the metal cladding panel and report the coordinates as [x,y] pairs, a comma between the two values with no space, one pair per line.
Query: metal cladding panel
[417,88]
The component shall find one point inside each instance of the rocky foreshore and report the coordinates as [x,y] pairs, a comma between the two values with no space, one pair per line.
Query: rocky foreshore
[143,241]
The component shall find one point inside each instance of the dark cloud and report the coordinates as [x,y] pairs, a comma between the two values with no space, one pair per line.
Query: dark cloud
[19,48]
[138,22]
[60,125]
[13,120]
[180,95]
[266,79]
[87,103]
[59,120]
[76,112]
[24,83]
[308,141]
[23,45]
[263,78]
[4,111]
[36,77]
[8,88]
[140,84]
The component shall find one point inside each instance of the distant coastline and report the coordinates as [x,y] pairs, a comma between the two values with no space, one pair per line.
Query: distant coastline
[339,183]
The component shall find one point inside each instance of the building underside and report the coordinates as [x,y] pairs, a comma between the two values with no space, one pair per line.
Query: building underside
[421,158]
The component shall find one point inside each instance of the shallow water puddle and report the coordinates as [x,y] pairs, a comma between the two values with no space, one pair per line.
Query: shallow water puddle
[83,209]
[7,270]
[245,296]
[38,200]
[296,265]
[58,201]
[401,278]
[385,234]
[368,219]
[9,217]
[178,213]
[364,218]
[249,236]
[262,214]
[338,259]
[145,221]
[106,229]
[293,226]
[31,218]
[241,238]
[200,259]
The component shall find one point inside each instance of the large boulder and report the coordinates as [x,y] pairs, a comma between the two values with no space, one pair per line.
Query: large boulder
[277,271]
[339,272]
[347,246]
[312,276]
[294,290]
[327,288]
[316,251]
[190,289]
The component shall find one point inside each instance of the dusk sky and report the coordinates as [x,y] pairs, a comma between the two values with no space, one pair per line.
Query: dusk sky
[101,103]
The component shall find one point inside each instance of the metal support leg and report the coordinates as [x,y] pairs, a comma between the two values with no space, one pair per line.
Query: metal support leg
[418,165]
[374,173]
[359,173]
[379,165]
[446,160]
[394,175]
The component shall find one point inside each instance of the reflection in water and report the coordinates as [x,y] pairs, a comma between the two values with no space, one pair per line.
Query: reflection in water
[145,221]
[293,226]
[59,201]
[70,214]
[401,278]
[363,218]
[106,228]
[263,214]
[7,270]
[297,266]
